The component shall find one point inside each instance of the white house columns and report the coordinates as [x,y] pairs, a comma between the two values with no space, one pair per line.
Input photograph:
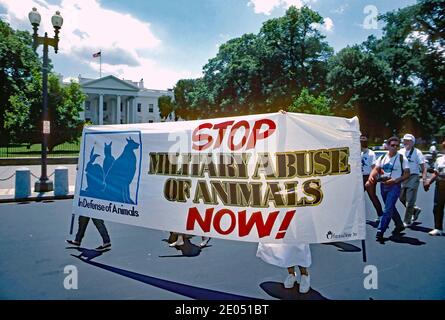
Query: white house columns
[118,109]
[101,109]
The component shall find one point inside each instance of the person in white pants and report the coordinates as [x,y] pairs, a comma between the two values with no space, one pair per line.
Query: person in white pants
[288,256]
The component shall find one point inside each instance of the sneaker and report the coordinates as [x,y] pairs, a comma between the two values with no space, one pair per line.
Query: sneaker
[305,284]
[416,214]
[406,225]
[73,243]
[178,242]
[435,232]
[105,246]
[204,242]
[290,281]
[379,236]
[377,221]
[398,230]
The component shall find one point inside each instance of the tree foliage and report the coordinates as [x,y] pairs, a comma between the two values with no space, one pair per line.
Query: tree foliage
[21,95]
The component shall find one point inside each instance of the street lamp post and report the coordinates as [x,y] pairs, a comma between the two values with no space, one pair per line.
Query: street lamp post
[44,184]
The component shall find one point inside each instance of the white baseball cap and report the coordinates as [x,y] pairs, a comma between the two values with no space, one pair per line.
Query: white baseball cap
[409,137]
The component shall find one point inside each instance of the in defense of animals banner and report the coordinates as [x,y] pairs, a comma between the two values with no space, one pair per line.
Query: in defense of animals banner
[281,177]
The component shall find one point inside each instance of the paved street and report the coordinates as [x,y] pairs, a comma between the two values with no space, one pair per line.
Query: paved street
[142,266]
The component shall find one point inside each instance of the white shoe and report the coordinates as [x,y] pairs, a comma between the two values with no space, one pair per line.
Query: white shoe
[406,225]
[435,232]
[290,281]
[305,283]
[416,214]
[178,242]
[204,242]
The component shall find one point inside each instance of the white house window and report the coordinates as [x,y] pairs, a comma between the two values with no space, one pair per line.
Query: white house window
[87,105]
[121,106]
[150,121]
[150,107]
[139,107]
[105,106]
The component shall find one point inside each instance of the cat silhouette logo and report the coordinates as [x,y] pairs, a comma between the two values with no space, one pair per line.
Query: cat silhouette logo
[112,166]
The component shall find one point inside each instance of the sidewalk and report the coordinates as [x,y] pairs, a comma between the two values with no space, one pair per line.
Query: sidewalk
[7,187]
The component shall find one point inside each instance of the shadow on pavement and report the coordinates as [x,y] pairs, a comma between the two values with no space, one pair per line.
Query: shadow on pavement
[402,239]
[277,290]
[175,287]
[408,240]
[188,249]
[419,228]
[87,254]
[344,247]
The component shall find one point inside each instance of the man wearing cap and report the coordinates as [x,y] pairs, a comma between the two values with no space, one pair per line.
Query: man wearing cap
[408,193]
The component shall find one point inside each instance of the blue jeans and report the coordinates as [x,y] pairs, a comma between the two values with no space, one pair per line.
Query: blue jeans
[390,195]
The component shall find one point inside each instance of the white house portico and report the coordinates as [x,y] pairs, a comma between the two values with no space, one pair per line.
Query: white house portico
[113,101]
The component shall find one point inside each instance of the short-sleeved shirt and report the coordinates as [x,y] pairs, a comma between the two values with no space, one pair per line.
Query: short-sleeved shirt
[415,159]
[391,166]
[368,160]
[439,167]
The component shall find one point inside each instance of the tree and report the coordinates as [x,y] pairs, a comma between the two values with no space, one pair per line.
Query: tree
[360,84]
[307,103]
[166,106]
[260,73]
[296,55]
[18,63]
[24,118]
[21,95]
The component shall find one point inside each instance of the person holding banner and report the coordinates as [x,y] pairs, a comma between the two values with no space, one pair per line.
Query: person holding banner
[439,194]
[100,225]
[368,163]
[391,170]
[288,256]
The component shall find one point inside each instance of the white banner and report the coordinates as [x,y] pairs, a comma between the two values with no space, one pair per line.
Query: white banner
[281,177]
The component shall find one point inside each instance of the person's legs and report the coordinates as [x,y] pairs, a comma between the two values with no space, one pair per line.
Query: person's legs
[371,190]
[305,282]
[439,204]
[102,230]
[83,223]
[390,195]
[289,282]
[412,186]
[386,217]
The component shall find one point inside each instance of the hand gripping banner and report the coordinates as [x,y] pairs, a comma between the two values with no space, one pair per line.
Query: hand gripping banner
[275,178]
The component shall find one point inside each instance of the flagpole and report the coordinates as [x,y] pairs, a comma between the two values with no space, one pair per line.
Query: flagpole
[100,62]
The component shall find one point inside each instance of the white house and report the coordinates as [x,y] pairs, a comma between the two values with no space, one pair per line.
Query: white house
[111,100]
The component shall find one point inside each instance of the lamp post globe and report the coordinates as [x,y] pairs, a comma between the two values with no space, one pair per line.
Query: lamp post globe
[34,17]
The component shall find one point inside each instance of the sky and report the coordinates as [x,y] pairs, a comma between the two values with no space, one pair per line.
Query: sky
[163,41]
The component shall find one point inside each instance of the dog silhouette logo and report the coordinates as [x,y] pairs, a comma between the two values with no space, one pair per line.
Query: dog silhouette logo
[111,178]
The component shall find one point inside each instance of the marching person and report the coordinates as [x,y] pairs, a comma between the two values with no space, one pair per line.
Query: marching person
[288,256]
[368,163]
[439,194]
[394,169]
[100,225]
[408,193]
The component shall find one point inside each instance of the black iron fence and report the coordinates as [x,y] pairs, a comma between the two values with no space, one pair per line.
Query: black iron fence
[35,150]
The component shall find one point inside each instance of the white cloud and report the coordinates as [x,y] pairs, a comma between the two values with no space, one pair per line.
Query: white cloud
[267,6]
[88,27]
[328,24]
